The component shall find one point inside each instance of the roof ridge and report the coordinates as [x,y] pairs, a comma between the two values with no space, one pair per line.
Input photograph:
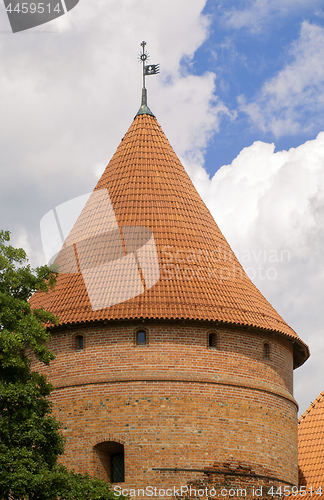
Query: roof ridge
[311,407]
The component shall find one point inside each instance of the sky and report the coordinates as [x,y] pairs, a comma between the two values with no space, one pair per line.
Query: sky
[240,96]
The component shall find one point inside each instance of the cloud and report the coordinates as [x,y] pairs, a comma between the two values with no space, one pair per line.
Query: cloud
[293,100]
[270,207]
[198,114]
[70,90]
[260,14]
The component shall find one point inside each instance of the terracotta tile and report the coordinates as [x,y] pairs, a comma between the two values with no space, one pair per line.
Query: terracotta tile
[148,187]
[311,445]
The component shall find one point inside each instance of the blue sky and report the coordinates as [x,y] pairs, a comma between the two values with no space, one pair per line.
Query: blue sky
[249,44]
[240,96]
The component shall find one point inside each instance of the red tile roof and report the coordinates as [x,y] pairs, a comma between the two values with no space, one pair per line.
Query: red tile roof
[145,201]
[311,446]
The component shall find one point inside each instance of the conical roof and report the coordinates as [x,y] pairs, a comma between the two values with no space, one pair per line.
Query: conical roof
[146,246]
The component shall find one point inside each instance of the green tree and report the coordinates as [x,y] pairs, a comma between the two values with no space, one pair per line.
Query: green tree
[30,442]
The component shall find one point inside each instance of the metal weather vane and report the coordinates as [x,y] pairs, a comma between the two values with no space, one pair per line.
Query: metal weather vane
[148,69]
[151,69]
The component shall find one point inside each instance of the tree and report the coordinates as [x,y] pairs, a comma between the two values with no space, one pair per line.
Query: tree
[30,442]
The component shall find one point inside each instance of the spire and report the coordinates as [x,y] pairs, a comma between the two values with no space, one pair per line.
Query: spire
[151,69]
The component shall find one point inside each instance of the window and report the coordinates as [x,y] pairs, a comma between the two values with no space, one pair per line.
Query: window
[141,337]
[109,462]
[79,342]
[212,340]
[117,468]
[266,350]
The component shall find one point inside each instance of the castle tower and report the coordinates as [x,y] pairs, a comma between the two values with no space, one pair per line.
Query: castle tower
[169,361]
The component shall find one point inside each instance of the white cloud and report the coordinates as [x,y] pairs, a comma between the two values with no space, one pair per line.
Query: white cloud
[258,15]
[70,95]
[197,111]
[270,207]
[293,100]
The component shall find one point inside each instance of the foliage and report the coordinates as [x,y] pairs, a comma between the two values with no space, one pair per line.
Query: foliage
[30,442]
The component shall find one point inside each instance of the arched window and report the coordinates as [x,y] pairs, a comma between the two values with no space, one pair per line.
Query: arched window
[79,342]
[266,350]
[141,337]
[109,463]
[212,340]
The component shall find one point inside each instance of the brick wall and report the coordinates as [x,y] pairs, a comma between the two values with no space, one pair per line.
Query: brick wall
[234,480]
[175,403]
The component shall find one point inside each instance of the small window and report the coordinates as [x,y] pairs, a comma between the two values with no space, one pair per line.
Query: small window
[266,350]
[212,340]
[109,462]
[141,337]
[79,342]
[117,468]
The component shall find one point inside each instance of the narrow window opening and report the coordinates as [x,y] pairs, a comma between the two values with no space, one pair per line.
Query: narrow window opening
[212,340]
[117,468]
[266,350]
[141,337]
[109,462]
[79,342]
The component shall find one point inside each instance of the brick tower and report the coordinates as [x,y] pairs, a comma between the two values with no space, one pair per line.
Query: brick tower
[169,361]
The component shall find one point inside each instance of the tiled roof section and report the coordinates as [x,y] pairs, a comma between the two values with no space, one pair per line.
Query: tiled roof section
[200,278]
[311,445]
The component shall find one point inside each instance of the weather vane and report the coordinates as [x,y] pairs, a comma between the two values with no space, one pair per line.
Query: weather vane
[148,69]
[151,69]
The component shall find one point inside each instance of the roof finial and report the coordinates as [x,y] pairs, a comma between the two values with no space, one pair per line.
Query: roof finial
[151,69]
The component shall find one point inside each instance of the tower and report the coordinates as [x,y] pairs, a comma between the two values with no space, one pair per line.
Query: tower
[170,362]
